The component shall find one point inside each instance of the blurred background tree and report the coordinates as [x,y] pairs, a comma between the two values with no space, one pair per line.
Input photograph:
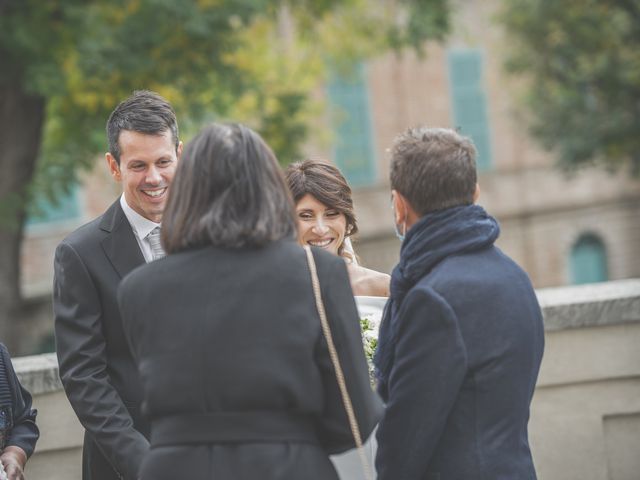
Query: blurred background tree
[67,63]
[581,61]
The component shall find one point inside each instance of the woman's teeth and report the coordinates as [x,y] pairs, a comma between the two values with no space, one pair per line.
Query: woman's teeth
[320,243]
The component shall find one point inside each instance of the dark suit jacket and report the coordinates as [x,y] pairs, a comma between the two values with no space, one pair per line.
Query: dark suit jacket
[96,367]
[469,347]
[234,336]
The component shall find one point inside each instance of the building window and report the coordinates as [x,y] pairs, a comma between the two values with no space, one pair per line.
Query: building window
[66,208]
[588,260]
[351,116]
[469,101]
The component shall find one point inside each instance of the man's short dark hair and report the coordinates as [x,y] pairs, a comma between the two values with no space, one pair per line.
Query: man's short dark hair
[433,168]
[228,191]
[143,112]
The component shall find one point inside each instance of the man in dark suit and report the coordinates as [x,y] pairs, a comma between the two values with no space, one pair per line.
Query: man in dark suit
[462,337]
[96,367]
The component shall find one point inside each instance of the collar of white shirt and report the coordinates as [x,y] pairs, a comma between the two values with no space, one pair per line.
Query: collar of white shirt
[141,226]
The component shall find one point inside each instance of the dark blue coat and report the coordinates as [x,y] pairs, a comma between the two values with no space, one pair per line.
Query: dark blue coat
[468,346]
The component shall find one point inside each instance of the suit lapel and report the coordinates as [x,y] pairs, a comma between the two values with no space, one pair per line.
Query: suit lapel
[120,245]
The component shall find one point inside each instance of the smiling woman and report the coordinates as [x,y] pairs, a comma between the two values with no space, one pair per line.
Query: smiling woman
[325,216]
[319,225]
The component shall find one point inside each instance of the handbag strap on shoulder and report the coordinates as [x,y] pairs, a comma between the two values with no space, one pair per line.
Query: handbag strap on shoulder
[333,354]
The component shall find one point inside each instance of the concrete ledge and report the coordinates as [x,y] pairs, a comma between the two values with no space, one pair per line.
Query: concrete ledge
[595,304]
[38,373]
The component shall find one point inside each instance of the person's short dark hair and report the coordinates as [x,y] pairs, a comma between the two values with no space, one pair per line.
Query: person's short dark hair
[326,184]
[143,112]
[433,168]
[228,191]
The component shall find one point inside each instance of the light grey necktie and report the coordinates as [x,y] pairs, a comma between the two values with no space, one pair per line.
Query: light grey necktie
[156,246]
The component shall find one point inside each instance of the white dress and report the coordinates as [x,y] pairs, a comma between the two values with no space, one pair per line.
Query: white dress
[371,308]
[348,464]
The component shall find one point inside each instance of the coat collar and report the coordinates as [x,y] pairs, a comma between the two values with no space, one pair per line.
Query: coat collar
[120,245]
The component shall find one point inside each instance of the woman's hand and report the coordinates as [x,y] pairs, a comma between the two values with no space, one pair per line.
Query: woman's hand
[13,459]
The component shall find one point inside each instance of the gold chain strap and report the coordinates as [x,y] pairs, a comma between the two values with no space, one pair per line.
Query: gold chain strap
[333,354]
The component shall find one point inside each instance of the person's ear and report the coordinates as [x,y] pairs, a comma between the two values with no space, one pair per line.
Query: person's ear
[399,207]
[179,150]
[476,193]
[114,168]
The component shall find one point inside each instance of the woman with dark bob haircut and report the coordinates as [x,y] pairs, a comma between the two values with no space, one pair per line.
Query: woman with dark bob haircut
[324,212]
[236,375]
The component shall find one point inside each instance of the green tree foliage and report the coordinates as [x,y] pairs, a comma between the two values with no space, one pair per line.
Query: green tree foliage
[582,61]
[210,58]
[67,63]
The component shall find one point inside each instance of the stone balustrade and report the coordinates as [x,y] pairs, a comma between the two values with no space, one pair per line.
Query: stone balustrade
[585,416]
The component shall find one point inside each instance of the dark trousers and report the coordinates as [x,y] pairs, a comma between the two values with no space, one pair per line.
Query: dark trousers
[94,465]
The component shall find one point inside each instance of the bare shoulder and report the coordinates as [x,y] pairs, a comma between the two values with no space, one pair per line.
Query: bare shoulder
[367,282]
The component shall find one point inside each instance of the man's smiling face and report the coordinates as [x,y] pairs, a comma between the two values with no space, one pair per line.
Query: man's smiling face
[147,165]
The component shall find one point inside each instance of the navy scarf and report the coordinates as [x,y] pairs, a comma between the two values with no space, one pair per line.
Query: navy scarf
[430,240]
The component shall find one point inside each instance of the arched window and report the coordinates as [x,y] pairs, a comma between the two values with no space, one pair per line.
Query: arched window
[588,261]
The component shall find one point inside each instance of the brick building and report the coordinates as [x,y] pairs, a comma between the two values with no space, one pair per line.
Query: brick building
[561,229]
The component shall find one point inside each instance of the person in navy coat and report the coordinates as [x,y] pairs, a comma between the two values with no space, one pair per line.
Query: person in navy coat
[462,336]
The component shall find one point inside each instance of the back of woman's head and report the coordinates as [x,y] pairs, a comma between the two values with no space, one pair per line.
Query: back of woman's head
[228,191]
[326,184]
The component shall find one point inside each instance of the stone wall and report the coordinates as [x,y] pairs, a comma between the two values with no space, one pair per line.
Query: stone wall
[58,454]
[585,415]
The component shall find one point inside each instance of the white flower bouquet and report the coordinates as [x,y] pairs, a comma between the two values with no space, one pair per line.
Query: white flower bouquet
[369,341]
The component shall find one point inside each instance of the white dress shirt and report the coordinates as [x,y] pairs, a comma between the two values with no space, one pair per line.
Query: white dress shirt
[141,228]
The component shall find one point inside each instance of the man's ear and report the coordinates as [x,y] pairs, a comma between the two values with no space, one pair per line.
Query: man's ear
[179,150]
[114,168]
[399,207]
[476,193]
